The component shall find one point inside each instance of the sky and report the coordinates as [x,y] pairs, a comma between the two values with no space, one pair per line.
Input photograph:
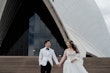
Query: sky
[104,6]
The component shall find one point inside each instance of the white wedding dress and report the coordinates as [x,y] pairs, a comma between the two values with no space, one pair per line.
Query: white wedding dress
[75,67]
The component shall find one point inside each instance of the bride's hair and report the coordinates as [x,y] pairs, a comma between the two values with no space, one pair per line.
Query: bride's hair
[73,46]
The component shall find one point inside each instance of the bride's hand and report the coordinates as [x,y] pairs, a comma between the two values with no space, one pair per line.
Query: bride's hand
[72,61]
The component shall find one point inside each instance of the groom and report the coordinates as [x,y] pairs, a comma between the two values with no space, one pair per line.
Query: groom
[46,56]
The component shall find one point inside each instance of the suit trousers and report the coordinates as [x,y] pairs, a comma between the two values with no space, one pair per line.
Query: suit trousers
[46,69]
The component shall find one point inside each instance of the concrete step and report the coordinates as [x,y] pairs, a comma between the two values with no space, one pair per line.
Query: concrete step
[97,65]
[29,64]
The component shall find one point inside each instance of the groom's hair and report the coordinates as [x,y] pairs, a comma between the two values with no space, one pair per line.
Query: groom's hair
[46,41]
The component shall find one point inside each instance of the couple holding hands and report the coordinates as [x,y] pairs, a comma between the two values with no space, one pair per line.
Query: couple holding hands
[70,59]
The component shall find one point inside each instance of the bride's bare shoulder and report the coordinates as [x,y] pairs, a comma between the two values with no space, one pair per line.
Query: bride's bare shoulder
[66,50]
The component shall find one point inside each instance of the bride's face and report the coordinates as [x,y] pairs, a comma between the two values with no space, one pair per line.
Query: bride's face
[68,44]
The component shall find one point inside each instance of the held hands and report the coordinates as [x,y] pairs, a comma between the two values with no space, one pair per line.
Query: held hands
[59,65]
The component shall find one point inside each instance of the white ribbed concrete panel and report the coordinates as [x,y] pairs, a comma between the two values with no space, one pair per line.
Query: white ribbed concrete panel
[85,25]
[2,5]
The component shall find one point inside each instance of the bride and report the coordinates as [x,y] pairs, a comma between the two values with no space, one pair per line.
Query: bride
[71,59]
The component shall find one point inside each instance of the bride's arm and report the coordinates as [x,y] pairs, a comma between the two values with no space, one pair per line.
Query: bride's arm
[77,57]
[63,58]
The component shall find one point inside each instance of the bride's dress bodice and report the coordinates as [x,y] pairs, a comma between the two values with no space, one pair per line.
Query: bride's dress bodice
[71,55]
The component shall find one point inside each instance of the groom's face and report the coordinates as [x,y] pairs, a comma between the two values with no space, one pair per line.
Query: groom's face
[48,44]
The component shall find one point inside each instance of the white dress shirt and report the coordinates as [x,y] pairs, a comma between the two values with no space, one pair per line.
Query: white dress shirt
[47,55]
